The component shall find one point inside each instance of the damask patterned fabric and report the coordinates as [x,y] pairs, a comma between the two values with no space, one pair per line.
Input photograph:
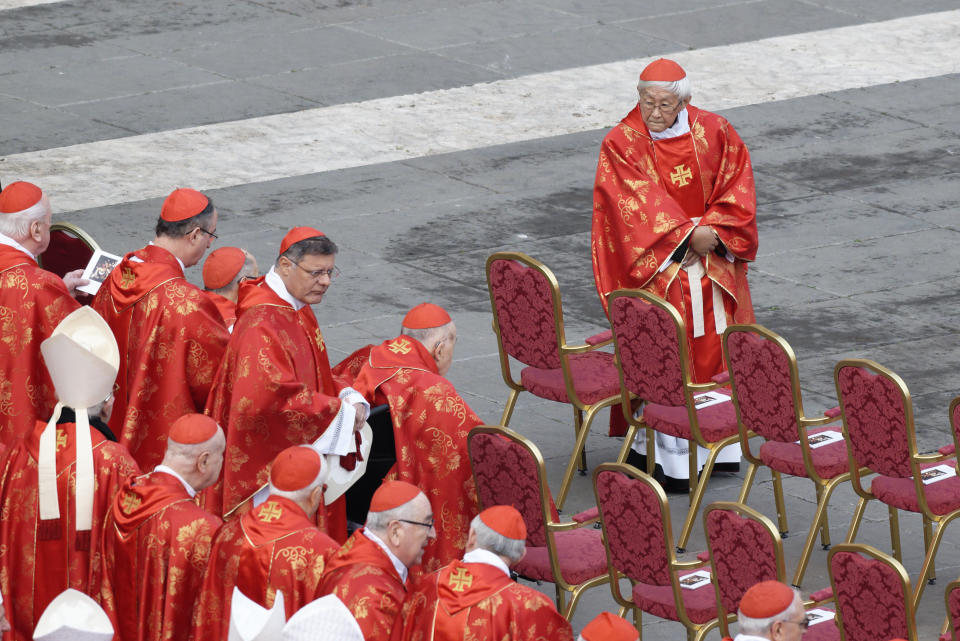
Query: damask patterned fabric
[716,421]
[649,347]
[580,554]
[744,554]
[700,604]
[943,496]
[870,598]
[594,379]
[876,421]
[761,372]
[524,305]
[823,631]
[953,611]
[828,461]
[631,511]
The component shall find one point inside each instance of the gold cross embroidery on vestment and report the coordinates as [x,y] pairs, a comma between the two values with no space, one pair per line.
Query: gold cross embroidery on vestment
[270,512]
[318,337]
[681,175]
[126,278]
[61,440]
[460,580]
[400,346]
[130,502]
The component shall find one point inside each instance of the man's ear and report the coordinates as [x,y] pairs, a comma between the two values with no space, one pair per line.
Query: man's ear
[203,462]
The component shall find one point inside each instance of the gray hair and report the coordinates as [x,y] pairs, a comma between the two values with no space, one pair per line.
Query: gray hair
[748,625]
[493,541]
[378,521]
[17,226]
[679,88]
[428,337]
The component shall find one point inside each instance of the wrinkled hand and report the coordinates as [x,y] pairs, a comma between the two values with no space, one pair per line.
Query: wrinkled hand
[107,409]
[73,280]
[702,242]
[361,416]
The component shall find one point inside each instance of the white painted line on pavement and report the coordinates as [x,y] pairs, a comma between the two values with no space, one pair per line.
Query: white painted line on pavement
[434,122]
[16,4]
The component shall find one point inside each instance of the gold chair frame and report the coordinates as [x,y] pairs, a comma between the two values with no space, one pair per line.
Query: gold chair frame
[931,542]
[868,550]
[690,389]
[824,487]
[948,622]
[86,238]
[583,413]
[563,589]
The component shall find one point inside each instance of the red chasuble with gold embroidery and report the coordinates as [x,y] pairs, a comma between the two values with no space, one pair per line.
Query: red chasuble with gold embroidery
[364,579]
[226,307]
[273,547]
[171,340]
[431,422]
[273,390]
[41,559]
[479,602]
[155,548]
[32,303]
[645,196]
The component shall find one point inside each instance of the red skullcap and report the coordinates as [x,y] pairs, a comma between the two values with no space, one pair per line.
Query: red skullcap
[191,429]
[19,196]
[182,204]
[426,316]
[297,234]
[766,599]
[393,494]
[663,70]
[609,627]
[506,521]
[222,266]
[295,468]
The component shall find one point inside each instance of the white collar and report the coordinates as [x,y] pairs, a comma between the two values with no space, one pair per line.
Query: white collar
[274,282]
[397,563]
[172,472]
[749,637]
[682,126]
[479,555]
[9,242]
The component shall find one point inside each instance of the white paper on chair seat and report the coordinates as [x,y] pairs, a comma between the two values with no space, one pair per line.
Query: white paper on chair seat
[695,580]
[823,438]
[937,473]
[709,398]
[819,615]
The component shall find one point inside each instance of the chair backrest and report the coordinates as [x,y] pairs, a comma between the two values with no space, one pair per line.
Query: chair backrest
[70,248]
[636,523]
[955,424]
[508,470]
[877,417]
[952,597]
[872,592]
[745,549]
[763,377]
[526,308]
[650,342]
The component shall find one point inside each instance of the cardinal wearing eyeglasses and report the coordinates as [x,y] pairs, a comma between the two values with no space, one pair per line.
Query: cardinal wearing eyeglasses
[274,388]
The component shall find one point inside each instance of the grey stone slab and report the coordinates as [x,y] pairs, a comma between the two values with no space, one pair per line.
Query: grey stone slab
[771,188]
[612,11]
[52,48]
[727,23]
[360,80]
[194,106]
[909,100]
[550,50]
[473,23]
[344,11]
[936,302]
[772,292]
[83,83]
[19,31]
[28,127]
[924,198]
[887,9]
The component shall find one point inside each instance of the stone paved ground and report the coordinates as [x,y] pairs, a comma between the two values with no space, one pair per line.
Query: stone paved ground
[857,189]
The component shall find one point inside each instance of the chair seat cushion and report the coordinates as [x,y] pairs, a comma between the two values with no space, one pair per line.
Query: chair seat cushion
[594,379]
[829,461]
[580,552]
[700,604]
[943,496]
[716,421]
[823,631]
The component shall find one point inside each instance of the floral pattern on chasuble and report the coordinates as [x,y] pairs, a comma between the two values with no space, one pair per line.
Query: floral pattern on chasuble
[171,338]
[33,301]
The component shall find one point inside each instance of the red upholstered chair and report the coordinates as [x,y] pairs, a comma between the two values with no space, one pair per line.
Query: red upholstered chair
[767,397]
[878,426]
[951,627]
[509,470]
[70,248]
[872,592]
[636,527]
[745,549]
[528,322]
[651,348]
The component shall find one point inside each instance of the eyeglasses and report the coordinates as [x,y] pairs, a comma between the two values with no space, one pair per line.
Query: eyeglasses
[317,273]
[804,624]
[209,233]
[665,108]
[428,524]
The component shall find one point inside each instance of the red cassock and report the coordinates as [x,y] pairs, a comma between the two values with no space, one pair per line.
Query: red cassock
[171,340]
[41,559]
[479,602]
[273,547]
[431,422]
[155,548]
[33,301]
[273,390]
[364,579]
[645,196]
[226,307]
